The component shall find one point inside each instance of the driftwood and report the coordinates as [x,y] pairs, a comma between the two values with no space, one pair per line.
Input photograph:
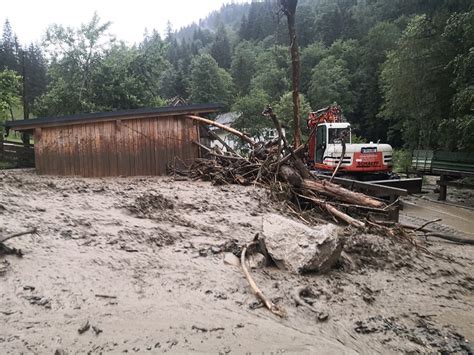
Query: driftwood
[427,223]
[330,189]
[302,169]
[343,216]
[30,231]
[296,151]
[335,212]
[224,127]
[7,250]
[267,302]
[436,234]
[277,166]
[216,136]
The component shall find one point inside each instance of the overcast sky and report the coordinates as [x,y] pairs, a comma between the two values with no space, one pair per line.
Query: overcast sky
[30,18]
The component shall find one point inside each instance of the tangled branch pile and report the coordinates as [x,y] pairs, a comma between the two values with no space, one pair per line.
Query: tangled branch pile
[276,165]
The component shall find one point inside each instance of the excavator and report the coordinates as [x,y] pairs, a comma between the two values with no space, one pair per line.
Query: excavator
[331,151]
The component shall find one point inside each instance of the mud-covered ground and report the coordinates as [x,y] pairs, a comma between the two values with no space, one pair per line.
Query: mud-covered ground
[141,260]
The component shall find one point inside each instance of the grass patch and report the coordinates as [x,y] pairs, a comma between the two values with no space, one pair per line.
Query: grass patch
[6,165]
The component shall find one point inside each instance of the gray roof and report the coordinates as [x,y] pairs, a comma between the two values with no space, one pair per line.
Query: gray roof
[99,116]
[227,118]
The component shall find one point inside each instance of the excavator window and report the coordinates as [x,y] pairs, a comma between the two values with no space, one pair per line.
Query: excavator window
[335,135]
[320,143]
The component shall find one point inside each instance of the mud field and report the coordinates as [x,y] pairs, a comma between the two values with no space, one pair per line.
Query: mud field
[135,265]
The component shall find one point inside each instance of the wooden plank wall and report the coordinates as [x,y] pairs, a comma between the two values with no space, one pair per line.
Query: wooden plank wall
[131,147]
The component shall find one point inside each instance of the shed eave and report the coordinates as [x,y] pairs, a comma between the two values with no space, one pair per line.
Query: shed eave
[31,124]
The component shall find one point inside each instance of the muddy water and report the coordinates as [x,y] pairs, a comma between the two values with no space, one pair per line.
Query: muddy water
[141,259]
[457,218]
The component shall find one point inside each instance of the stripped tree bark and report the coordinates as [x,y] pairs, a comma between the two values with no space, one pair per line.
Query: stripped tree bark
[302,169]
[224,127]
[330,189]
[216,136]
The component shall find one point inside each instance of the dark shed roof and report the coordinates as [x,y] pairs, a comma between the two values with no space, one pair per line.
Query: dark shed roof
[23,125]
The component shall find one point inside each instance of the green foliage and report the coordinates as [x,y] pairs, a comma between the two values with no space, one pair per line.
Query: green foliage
[284,111]
[357,139]
[209,83]
[116,86]
[379,40]
[272,72]
[76,55]
[334,20]
[220,48]
[330,83]
[401,160]
[9,92]
[427,83]
[459,128]
[91,72]
[243,66]
[401,70]
[9,49]
[251,107]
[310,57]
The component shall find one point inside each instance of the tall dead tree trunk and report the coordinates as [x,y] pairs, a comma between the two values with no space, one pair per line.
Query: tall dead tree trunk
[288,7]
[25,137]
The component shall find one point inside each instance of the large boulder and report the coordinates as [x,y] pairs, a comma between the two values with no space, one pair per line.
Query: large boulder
[298,248]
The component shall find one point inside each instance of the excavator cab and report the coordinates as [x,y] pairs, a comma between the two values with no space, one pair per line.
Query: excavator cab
[336,134]
[321,142]
[330,133]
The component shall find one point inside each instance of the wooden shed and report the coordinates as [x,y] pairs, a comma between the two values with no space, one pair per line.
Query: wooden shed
[120,143]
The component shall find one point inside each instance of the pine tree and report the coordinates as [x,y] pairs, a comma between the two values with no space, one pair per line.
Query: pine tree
[220,49]
[9,48]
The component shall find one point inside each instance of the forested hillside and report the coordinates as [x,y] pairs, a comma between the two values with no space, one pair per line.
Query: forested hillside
[402,70]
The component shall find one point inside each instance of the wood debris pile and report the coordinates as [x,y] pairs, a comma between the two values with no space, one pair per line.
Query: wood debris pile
[276,165]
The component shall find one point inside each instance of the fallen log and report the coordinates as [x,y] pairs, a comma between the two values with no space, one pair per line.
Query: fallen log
[335,212]
[202,146]
[268,303]
[343,216]
[291,176]
[290,155]
[302,169]
[224,127]
[333,190]
[216,137]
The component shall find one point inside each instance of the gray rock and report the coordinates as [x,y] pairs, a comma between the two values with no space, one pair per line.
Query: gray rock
[231,259]
[298,248]
[215,249]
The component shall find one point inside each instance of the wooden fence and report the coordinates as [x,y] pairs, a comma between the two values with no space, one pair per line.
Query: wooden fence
[15,155]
